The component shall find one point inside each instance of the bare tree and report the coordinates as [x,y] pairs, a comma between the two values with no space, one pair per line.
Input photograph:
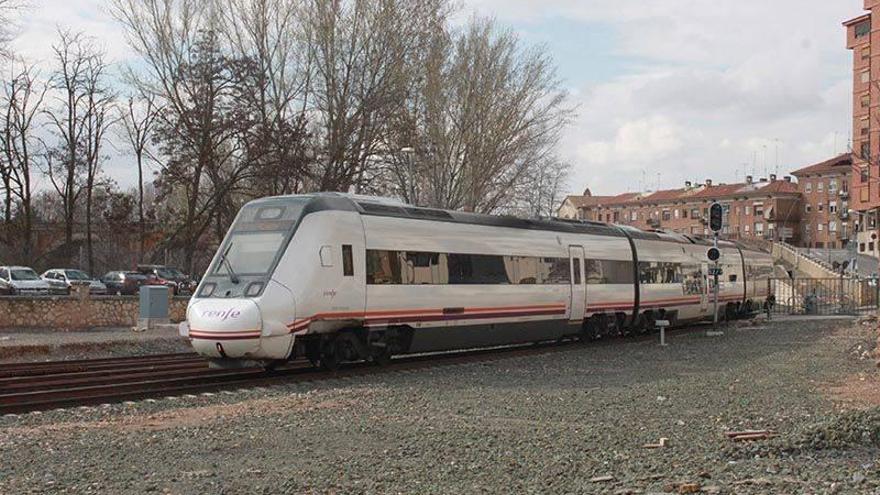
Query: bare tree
[363,54]
[138,119]
[97,119]
[65,160]
[485,121]
[204,119]
[21,103]
[267,34]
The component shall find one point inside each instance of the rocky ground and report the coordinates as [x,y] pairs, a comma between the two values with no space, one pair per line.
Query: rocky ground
[21,345]
[571,421]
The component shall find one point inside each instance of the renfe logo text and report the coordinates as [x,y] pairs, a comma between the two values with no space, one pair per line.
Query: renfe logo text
[221,315]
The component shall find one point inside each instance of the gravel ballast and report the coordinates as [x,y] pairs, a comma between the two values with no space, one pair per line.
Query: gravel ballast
[581,419]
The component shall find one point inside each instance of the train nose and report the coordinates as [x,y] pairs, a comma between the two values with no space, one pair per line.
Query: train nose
[225,327]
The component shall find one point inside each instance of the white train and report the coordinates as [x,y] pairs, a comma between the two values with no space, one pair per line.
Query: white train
[336,277]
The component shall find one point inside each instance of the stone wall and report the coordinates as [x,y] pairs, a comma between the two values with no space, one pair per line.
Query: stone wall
[78,311]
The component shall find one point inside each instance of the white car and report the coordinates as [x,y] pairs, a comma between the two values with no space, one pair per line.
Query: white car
[63,279]
[21,280]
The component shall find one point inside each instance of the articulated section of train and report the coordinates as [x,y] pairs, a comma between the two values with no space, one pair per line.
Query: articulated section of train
[337,278]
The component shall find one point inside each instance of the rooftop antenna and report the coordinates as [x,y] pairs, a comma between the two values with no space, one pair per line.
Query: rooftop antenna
[765,159]
[776,167]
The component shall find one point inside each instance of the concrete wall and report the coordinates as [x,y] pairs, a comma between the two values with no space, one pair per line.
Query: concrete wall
[78,311]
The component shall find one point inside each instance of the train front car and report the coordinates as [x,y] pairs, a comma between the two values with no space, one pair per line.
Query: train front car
[244,307]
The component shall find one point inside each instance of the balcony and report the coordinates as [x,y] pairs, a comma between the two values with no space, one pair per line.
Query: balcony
[843,194]
[843,214]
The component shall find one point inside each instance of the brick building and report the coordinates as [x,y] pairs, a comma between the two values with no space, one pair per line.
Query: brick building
[863,39]
[825,195]
[765,209]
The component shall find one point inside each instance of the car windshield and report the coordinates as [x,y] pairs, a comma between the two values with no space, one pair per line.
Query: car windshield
[23,274]
[165,273]
[77,275]
[257,237]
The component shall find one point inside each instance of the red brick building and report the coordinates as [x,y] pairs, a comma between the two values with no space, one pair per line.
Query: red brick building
[825,192]
[765,209]
[863,39]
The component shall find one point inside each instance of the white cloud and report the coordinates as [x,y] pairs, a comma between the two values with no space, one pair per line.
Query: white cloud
[709,90]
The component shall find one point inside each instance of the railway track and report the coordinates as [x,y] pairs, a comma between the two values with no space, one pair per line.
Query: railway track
[27,387]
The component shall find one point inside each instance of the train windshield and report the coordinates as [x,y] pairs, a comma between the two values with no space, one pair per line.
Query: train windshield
[258,238]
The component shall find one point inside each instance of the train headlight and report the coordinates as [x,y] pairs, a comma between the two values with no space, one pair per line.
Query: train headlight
[253,289]
[207,290]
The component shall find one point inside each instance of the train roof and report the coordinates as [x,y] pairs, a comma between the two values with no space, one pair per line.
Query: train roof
[385,207]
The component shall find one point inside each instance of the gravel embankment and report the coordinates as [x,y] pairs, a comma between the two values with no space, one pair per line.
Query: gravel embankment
[571,421]
[21,345]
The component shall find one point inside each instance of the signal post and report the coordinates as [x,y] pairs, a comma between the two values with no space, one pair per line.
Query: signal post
[716,222]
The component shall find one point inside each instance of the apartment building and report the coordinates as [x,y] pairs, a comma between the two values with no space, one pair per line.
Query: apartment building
[863,40]
[766,209]
[825,195]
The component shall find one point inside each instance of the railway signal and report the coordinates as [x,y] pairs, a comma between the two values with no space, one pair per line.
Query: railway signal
[713,254]
[716,223]
[716,217]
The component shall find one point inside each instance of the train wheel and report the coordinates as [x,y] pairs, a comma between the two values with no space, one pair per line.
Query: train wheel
[331,356]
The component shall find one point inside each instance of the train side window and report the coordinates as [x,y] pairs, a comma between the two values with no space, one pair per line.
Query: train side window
[576,267]
[347,261]
[731,277]
[383,267]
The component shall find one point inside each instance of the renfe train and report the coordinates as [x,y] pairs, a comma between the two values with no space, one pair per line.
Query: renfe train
[336,277]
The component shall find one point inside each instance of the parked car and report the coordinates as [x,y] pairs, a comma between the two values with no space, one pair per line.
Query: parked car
[174,279]
[21,280]
[124,283]
[64,278]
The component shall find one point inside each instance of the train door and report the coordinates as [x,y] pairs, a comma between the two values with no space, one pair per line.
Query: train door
[704,294]
[578,288]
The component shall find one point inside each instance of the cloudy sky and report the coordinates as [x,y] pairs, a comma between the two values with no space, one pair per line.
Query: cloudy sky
[687,89]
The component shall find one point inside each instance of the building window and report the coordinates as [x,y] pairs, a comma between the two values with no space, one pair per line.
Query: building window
[759,209]
[677,213]
[820,227]
[616,216]
[832,207]
[832,186]
[667,215]
[863,29]
[808,187]
[832,226]
[871,246]
[866,150]
[861,247]
[633,216]
[863,174]
[866,53]
[808,208]
[865,76]
[747,228]
[684,213]
[695,213]
[866,100]
[820,207]
[865,126]
[747,210]
[759,228]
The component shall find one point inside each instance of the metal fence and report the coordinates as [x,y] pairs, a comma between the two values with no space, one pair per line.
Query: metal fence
[824,296]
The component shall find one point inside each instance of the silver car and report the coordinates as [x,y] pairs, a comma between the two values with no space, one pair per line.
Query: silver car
[21,280]
[64,278]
